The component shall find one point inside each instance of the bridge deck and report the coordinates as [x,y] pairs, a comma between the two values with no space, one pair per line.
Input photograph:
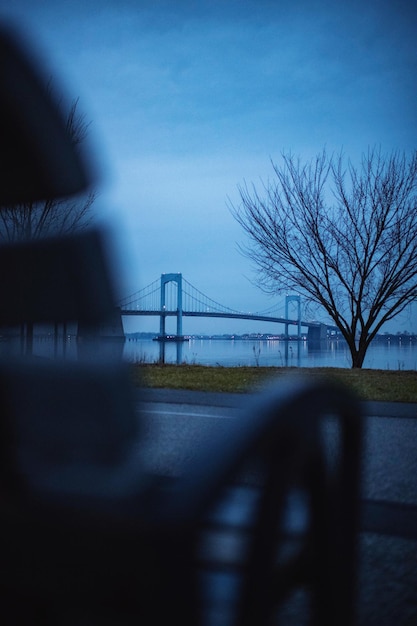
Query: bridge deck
[230,315]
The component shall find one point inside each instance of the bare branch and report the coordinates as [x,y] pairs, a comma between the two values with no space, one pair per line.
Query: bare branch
[343,236]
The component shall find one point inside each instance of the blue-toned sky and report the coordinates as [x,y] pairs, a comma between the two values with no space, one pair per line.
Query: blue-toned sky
[188,99]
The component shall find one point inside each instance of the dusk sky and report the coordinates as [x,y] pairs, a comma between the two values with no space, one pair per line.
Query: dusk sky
[189,99]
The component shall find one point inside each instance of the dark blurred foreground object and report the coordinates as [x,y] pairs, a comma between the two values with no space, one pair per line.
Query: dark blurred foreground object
[88,535]
[58,279]
[37,160]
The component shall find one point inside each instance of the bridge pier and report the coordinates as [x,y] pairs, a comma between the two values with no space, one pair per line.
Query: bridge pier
[296,299]
[317,333]
[165,279]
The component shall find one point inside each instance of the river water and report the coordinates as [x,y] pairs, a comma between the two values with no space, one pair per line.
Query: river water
[384,354]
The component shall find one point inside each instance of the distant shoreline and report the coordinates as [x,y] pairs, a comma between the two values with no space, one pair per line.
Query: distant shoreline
[384,338]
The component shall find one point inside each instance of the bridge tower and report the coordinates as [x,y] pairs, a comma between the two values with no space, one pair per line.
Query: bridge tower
[165,279]
[297,299]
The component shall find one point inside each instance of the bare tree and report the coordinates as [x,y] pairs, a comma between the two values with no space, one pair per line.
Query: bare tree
[55,216]
[344,237]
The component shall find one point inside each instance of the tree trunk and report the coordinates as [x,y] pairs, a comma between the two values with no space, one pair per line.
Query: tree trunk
[358,355]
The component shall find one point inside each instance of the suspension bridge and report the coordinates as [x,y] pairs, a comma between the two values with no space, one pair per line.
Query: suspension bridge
[173,295]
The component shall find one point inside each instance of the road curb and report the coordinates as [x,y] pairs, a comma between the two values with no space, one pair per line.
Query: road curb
[403,410]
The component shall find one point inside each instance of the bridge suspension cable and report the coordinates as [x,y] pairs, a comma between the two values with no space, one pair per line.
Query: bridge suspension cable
[275,310]
[148,298]
[193,300]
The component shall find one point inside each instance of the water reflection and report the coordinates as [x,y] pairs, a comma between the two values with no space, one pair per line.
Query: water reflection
[292,354]
[393,355]
[278,353]
[162,351]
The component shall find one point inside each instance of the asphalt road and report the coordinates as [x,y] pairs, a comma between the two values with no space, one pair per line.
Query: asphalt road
[176,425]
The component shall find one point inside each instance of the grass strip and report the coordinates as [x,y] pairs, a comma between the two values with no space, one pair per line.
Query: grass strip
[368,384]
